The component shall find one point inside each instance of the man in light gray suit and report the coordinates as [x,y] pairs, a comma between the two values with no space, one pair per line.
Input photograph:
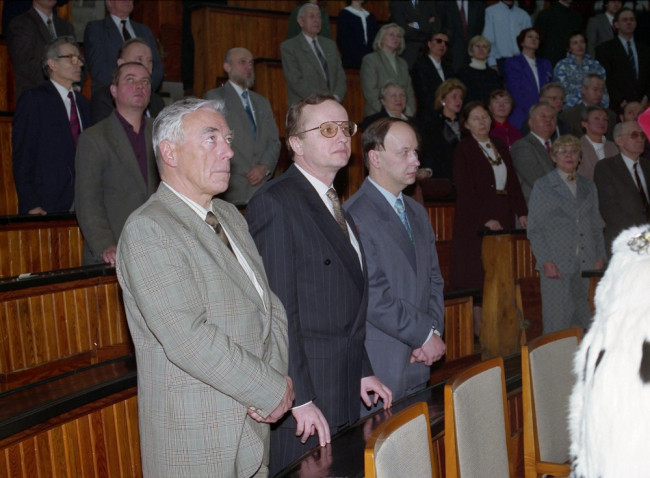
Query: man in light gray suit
[406,307]
[256,142]
[530,155]
[310,62]
[210,336]
[600,28]
[115,165]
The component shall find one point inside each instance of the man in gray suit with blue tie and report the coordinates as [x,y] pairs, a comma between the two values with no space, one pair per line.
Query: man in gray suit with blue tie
[210,336]
[405,299]
[256,142]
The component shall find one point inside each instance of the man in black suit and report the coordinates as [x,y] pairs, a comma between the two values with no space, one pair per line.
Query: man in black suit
[47,124]
[417,21]
[626,61]
[462,25]
[315,265]
[134,50]
[592,91]
[27,37]
[622,183]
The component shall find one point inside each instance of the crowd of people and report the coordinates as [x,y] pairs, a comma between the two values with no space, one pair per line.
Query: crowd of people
[307,306]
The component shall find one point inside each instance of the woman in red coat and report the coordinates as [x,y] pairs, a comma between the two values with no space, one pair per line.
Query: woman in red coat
[488,196]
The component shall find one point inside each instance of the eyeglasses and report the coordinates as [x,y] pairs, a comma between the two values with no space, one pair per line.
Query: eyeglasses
[73,58]
[636,135]
[440,40]
[330,128]
[567,151]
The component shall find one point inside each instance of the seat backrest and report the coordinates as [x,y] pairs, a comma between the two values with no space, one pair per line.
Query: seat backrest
[401,446]
[547,372]
[476,423]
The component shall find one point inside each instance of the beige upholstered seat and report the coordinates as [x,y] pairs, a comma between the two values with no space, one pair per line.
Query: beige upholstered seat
[547,380]
[401,446]
[477,424]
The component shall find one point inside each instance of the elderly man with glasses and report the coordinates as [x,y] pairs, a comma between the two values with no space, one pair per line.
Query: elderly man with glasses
[315,264]
[47,123]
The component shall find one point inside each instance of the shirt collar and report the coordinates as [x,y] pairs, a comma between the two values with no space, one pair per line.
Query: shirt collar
[44,17]
[197,208]
[389,196]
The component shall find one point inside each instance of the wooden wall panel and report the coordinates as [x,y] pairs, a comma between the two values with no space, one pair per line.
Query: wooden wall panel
[8,197]
[6,78]
[39,246]
[101,443]
[459,328]
[46,332]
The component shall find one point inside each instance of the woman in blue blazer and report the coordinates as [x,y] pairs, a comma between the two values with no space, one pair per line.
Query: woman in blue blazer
[525,75]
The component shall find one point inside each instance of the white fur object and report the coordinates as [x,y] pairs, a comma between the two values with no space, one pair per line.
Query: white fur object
[610,405]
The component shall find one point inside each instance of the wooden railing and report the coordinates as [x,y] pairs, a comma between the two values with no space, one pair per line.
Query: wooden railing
[60,321]
[37,244]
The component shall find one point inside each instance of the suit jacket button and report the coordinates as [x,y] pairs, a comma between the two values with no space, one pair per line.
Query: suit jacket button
[327,262]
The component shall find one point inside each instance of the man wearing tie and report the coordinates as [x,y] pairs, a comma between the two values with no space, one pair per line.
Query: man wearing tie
[622,183]
[310,62]
[626,61]
[405,300]
[103,38]
[256,143]
[27,36]
[47,123]
[210,336]
[315,264]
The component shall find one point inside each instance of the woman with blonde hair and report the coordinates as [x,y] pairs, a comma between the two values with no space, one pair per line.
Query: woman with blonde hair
[385,64]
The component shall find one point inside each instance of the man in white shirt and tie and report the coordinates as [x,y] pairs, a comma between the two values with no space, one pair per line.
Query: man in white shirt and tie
[310,62]
[256,142]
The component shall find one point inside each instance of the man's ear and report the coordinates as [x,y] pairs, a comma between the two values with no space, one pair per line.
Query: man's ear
[296,145]
[168,153]
[227,67]
[113,89]
[373,158]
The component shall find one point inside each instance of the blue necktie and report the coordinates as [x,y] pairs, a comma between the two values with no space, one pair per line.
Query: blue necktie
[249,113]
[630,57]
[401,212]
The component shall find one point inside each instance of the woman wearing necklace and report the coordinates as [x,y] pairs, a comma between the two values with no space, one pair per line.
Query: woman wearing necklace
[565,231]
[489,197]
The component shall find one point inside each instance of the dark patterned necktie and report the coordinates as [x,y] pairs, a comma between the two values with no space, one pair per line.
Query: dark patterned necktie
[75,124]
[211,219]
[125,32]
[338,211]
[323,62]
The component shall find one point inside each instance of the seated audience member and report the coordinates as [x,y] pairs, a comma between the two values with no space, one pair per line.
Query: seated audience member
[356,28]
[525,75]
[430,71]
[477,77]
[383,65]
[417,21]
[256,143]
[572,70]
[594,145]
[631,111]
[500,105]
[600,28]
[531,154]
[622,181]
[115,164]
[101,102]
[626,61]
[553,23]
[405,285]
[566,236]
[553,94]
[489,198]
[593,89]
[103,39]
[463,20]
[503,22]
[294,26]
[27,37]
[46,127]
[611,398]
[393,101]
[441,132]
[311,62]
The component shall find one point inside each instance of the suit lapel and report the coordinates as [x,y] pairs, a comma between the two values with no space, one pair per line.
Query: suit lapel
[40,25]
[311,56]
[328,226]
[113,34]
[238,114]
[124,151]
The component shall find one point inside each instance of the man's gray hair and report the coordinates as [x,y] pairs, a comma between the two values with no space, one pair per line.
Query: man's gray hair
[168,126]
[301,11]
[618,129]
[541,104]
[52,51]
[388,84]
[591,76]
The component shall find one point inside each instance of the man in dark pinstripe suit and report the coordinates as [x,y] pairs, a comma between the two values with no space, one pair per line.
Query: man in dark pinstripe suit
[315,265]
